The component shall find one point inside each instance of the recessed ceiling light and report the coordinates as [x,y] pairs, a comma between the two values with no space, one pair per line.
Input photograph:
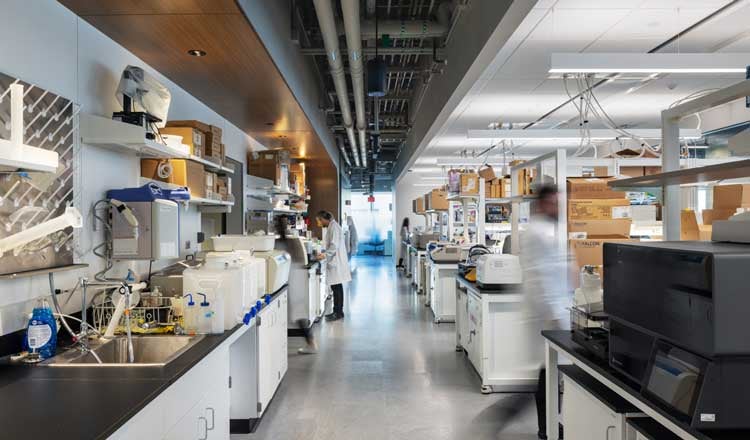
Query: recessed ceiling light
[197,52]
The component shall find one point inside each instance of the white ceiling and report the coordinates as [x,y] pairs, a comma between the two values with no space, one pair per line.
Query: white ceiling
[516,86]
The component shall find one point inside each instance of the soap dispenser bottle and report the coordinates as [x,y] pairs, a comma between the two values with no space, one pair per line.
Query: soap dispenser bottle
[190,316]
[41,333]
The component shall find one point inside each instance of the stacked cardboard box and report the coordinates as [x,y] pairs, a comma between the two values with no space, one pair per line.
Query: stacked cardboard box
[596,215]
[297,178]
[727,199]
[497,188]
[417,205]
[270,164]
[224,187]
[211,147]
[436,200]
[469,184]
[194,138]
[180,172]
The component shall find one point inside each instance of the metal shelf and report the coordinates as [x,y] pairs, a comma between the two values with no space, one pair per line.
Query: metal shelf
[724,171]
[460,197]
[212,166]
[198,201]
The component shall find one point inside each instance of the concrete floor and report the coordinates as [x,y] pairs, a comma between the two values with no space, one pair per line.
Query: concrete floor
[388,372]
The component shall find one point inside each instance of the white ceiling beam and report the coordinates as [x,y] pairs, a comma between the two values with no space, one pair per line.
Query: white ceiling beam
[649,62]
[572,133]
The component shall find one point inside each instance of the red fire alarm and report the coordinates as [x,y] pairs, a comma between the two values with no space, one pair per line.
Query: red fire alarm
[371,199]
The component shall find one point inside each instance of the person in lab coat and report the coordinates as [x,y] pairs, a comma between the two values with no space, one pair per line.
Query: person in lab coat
[404,236]
[545,297]
[352,241]
[337,263]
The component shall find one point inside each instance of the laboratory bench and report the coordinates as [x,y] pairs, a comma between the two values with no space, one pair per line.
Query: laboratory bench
[654,422]
[492,333]
[129,402]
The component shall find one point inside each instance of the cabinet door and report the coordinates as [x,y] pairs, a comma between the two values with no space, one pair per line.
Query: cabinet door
[313,289]
[284,340]
[266,371]
[462,316]
[475,332]
[193,426]
[584,416]
[216,403]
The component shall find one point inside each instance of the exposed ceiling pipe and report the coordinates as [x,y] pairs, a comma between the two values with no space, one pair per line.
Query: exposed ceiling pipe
[324,12]
[345,155]
[399,28]
[350,9]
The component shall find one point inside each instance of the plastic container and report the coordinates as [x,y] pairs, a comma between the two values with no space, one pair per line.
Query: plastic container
[238,302]
[41,333]
[209,321]
[257,243]
[217,280]
[190,315]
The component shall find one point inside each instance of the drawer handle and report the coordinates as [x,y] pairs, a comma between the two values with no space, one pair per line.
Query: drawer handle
[205,428]
[213,418]
[607,432]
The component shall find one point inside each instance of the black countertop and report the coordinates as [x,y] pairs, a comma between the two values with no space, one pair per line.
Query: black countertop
[471,285]
[563,339]
[38,401]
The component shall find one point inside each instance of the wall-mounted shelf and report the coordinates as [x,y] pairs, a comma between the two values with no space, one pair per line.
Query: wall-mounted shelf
[127,138]
[711,173]
[124,138]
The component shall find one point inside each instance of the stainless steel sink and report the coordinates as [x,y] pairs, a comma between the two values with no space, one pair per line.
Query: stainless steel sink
[148,351]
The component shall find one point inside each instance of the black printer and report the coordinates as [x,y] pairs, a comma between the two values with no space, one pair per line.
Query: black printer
[680,326]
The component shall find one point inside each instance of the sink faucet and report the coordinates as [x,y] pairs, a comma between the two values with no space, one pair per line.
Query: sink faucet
[124,289]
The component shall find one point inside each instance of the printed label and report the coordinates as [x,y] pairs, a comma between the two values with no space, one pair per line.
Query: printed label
[39,335]
[708,418]
[621,212]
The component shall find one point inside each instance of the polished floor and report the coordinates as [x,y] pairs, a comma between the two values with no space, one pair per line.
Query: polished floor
[388,372]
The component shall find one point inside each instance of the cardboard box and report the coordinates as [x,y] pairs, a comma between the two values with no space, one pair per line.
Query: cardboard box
[270,164]
[184,173]
[590,251]
[469,184]
[644,214]
[598,209]
[632,171]
[213,144]
[712,215]
[436,200]
[192,123]
[192,137]
[690,230]
[600,228]
[417,205]
[592,188]
[487,173]
[731,196]
[211,182]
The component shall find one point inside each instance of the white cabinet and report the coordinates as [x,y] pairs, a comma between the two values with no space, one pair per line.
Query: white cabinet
[195,407]
[272,344]
[462,317]
[443,291]
[584,416]
[502,346]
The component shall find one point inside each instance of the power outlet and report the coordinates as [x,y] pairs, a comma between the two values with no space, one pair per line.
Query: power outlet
[188,245]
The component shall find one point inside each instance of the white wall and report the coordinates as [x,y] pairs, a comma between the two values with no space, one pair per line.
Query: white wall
[46,44]
[403,194]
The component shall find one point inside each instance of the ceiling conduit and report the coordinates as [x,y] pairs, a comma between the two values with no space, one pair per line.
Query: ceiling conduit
[324,12]
[350,9]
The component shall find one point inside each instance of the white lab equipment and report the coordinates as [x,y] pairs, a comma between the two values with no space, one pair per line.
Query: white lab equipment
[497,270]
[590,290]
[14,154]
[278,265]
[156,236]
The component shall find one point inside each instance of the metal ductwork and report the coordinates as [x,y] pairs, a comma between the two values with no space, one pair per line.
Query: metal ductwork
[340,143]
[324,12]
[350,10]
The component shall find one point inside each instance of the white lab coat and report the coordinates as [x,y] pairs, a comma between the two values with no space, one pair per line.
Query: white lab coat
[546,295]
[337,263]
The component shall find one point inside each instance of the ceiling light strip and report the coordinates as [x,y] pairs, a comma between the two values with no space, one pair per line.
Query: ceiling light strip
[649,62]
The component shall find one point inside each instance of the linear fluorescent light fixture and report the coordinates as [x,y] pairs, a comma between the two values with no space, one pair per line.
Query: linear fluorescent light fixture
[649,62]
[573,134]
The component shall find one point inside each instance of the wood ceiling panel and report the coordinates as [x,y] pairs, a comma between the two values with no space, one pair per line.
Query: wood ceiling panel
[237,78]
[140,7]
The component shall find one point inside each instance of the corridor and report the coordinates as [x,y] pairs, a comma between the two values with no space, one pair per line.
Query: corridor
[388,372]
